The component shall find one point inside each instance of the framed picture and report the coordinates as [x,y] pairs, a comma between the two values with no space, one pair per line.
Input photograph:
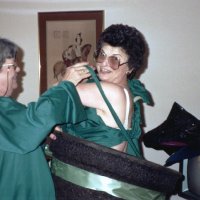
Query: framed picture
[64,39]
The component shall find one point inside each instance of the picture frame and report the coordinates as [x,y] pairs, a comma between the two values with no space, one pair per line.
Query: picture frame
[64,39]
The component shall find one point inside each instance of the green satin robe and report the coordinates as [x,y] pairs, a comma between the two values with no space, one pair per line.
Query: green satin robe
[95,130]
[24,172]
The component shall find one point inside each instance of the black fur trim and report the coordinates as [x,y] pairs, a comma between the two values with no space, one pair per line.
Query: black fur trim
[114,164]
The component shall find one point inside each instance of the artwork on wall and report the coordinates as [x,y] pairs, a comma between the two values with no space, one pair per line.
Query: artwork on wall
[64,39]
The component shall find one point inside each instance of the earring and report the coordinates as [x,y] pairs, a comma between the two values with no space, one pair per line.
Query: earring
[127,73]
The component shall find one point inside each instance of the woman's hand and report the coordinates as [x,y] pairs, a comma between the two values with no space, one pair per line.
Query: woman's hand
[76,73]
[52,135]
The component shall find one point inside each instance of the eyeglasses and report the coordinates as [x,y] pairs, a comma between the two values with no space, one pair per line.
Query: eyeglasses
[113,61]
[10,65]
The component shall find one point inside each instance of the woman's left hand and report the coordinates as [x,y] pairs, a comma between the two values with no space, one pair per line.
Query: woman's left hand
[76,73]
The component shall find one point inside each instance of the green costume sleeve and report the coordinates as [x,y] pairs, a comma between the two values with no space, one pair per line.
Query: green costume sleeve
[95,130]
[22,128]
[140,93]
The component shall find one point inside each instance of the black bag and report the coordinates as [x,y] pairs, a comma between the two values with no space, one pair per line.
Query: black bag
[180,129]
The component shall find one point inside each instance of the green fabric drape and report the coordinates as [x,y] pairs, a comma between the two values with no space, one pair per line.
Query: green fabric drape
[24,172]
[95,130]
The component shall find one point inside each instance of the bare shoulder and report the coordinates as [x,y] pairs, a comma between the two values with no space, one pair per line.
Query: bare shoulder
[113,90]
[110,89]
[90,95]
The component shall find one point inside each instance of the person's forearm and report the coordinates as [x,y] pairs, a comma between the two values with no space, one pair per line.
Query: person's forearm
[24,128]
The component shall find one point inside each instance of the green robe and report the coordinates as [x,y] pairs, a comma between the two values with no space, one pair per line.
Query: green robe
[95,130]
[24,172]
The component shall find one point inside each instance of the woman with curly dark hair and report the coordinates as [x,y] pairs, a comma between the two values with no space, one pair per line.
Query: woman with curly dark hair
[130,41]
[121,50]
[113,110]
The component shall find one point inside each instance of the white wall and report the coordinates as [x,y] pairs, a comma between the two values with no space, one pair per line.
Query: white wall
[171,28]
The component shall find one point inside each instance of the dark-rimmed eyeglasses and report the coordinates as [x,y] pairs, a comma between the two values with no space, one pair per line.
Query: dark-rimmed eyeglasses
[113,61]
[10,65]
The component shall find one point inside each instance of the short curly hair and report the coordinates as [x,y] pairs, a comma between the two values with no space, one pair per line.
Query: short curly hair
[129,39]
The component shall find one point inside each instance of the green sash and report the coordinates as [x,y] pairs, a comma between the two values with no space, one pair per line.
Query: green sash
[119,123]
